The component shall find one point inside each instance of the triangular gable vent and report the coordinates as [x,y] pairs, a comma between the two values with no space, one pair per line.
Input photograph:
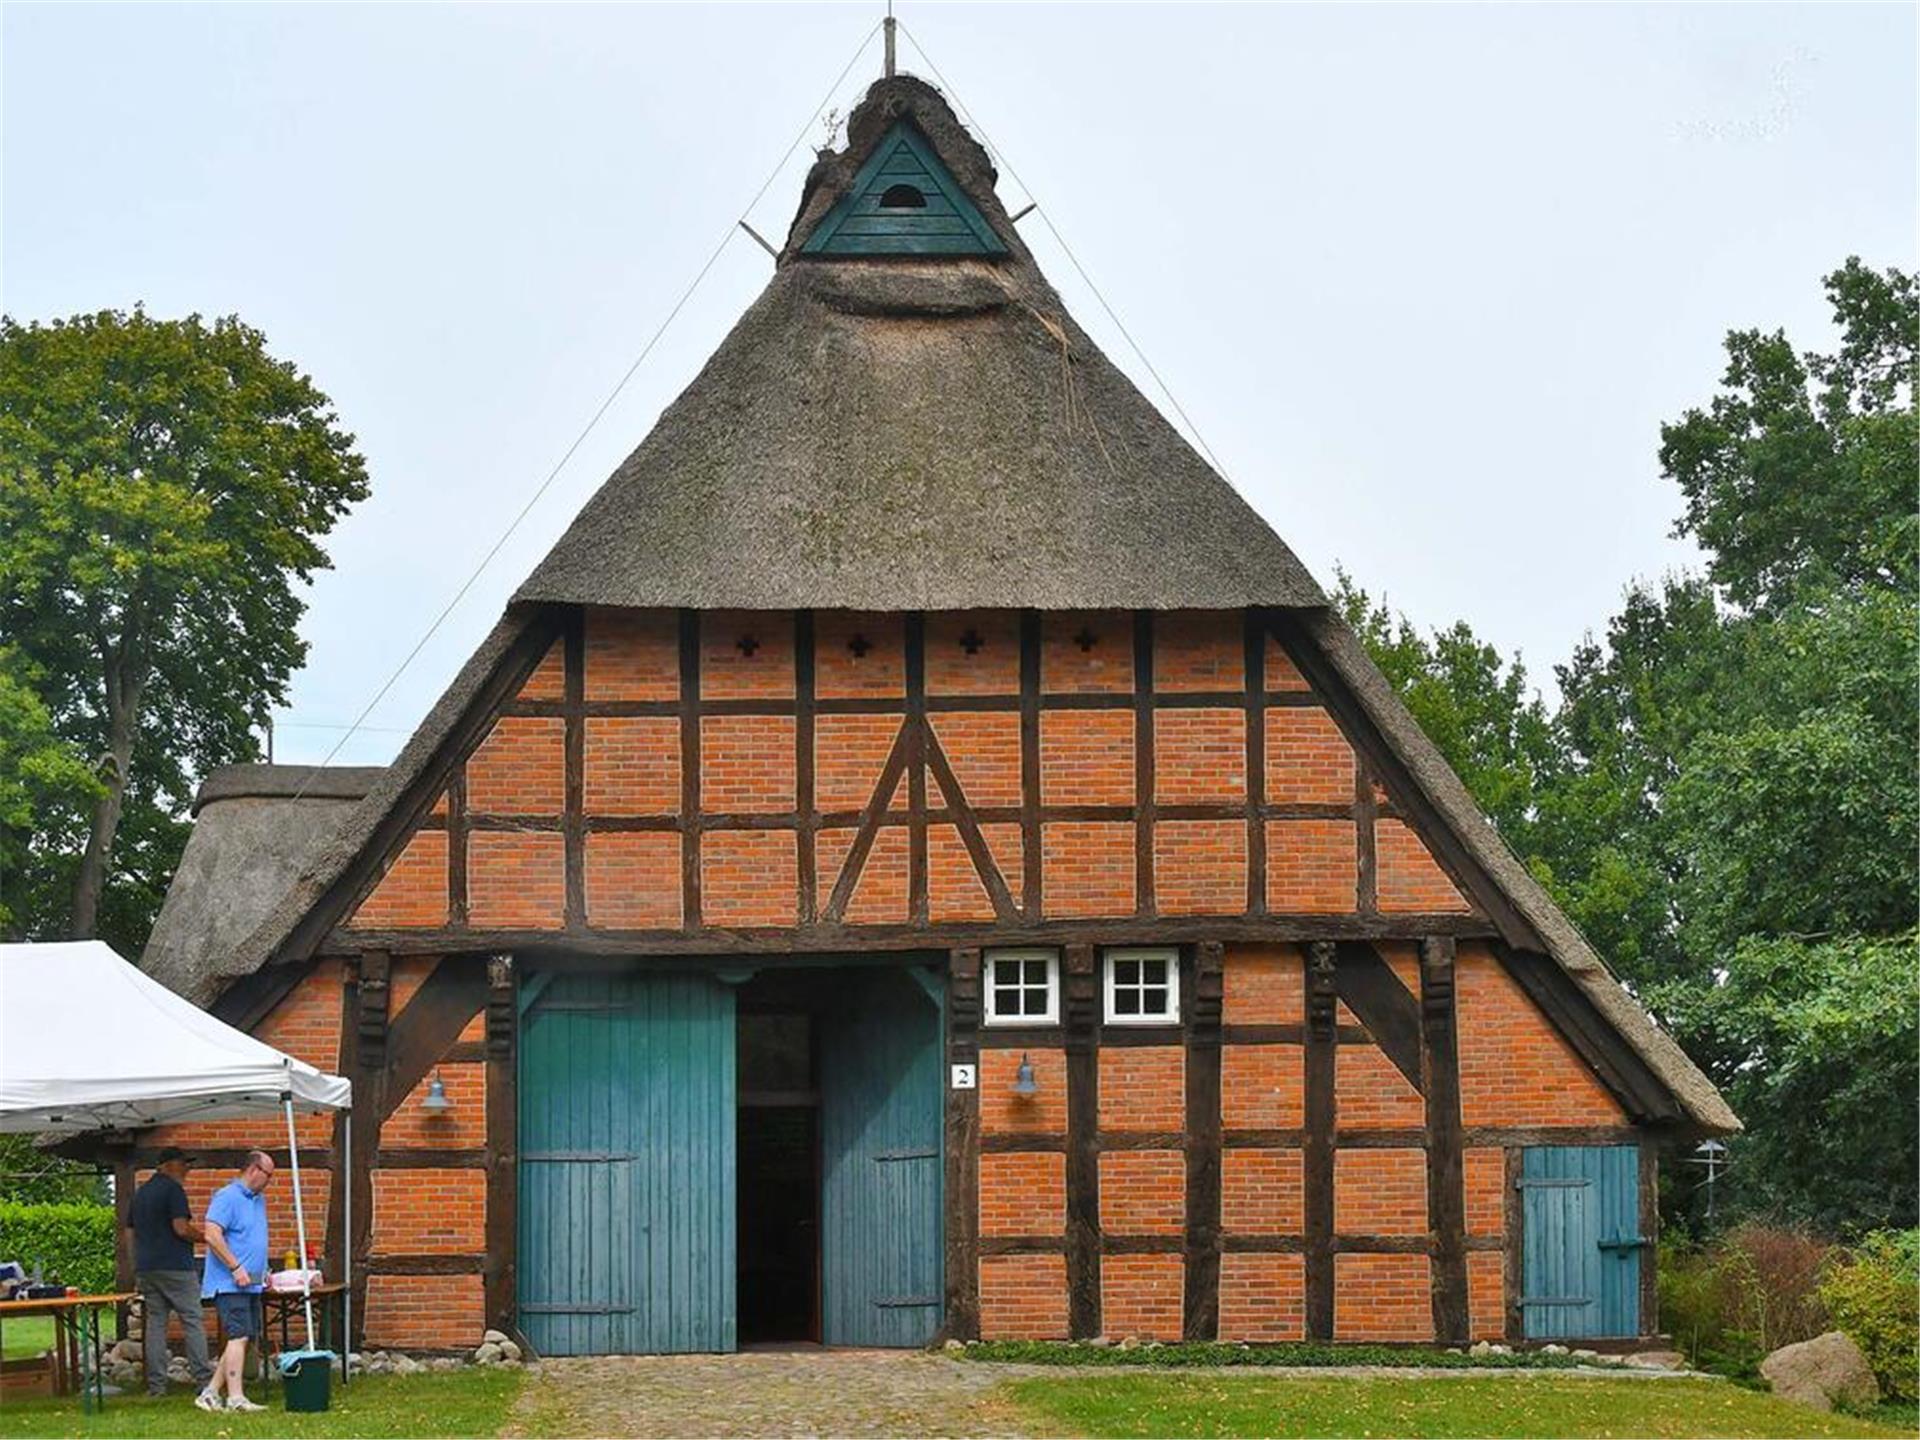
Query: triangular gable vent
[903,202]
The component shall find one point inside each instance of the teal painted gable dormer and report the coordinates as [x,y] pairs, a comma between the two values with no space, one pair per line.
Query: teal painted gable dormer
[903,202]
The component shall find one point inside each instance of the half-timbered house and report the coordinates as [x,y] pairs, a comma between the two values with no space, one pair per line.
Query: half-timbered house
[920,857]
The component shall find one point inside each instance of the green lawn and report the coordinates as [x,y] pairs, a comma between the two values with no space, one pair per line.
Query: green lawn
[455,1402]
[29,1335]
[1178,1405]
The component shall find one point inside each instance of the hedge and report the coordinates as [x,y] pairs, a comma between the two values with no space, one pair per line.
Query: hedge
[73,1242]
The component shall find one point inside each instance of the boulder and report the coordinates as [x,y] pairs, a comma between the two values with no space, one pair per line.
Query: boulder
[1825,1371]
[1553,1350]
[510,1352]
[494,1337]
[487,1354]
[406,1365]
[1656,1360]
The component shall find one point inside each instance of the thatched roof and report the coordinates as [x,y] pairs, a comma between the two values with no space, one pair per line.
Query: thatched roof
[895,434]
[254,833]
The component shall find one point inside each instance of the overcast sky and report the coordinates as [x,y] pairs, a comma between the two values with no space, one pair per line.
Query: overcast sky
[1427,279]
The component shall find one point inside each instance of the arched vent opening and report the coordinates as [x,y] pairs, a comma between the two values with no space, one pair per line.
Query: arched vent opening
[902,197]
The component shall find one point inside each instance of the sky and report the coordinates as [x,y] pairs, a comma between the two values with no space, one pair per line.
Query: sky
[1426,279]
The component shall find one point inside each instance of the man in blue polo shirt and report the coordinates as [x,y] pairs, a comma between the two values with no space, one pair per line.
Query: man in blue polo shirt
[236,1229]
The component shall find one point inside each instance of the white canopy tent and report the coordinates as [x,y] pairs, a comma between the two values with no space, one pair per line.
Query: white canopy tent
[88,1042]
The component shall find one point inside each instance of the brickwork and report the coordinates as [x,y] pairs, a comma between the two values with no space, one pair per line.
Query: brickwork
[1069,668]
[1023,1297]
[463,1127]
[1142,1295]
[1008,848]
[1087,868]
[1143,1087]
[413,892]
[632,655]
[1409,877]
[849,752]
[1263,1298]
[992,667]
[1282,673]
[761,668]
[1086,757]
[1260,1192]
[1308,760]
[1380,1192]
[1382,1297]
[1486,1186]
[1486,1295]
[880,896]
[1023,1194]
[1264,985]
[747,877]
[429,1212]
[1002,1111]
[879,671]
[549,678]
[425,1312]
[955,891]
[516,880]
[1262,1087]
[984,749]
[1198,650]
[1313,867]
[746,764]
[632,765]
[1371,1093]
[1200,757]
[404,978]
[633,881]
[520,768]
[1200,867]
[1515,1069]
[1143,1192]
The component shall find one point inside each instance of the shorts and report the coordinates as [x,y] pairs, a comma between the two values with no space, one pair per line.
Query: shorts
[239,1314]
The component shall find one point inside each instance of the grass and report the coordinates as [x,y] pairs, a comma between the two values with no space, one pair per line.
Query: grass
[29,1335]
[472,1401]
[1207,1405]
[1191,1353]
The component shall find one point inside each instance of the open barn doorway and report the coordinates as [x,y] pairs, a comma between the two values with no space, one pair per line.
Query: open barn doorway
[839,1136]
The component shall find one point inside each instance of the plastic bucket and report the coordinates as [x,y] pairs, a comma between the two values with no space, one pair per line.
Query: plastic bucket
[307,1378]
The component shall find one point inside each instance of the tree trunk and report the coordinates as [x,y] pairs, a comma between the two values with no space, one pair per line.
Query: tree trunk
[123,709]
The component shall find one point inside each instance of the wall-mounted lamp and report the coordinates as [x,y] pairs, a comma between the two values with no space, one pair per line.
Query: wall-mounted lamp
[1023,1081]
[436,1100]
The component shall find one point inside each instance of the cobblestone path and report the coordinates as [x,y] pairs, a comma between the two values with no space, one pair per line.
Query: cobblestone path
[839,1392]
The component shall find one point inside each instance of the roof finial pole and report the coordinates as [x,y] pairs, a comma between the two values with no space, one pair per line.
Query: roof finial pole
[889,30]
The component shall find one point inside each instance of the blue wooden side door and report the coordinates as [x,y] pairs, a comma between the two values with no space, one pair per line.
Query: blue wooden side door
[881,1128]
[1581,1247]
[627,1165]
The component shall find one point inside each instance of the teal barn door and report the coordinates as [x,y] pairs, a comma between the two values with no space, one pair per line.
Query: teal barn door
[627,1165]
[881,1127]
[1581,1247]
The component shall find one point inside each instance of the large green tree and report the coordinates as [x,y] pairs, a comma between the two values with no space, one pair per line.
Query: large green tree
[1725,798]
[164,486]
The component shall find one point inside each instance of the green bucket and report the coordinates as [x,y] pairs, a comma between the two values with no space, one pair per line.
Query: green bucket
[307,1378]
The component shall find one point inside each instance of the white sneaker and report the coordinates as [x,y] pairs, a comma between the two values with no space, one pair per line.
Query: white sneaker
[241,1402]
[207,1400]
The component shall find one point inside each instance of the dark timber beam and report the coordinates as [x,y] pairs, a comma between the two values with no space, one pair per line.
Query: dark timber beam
[963,1149]
[1446,1179]
[1385,1006]
[1316,1159]
[1201,1320]
[1081,1004]
[502,1155]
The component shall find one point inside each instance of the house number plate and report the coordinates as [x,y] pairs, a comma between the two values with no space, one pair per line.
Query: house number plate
[964,1077]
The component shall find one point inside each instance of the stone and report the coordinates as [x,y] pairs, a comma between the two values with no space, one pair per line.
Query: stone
[954,1345]
[510,1352]
[1553,1349]
[406,1365]
[1655,1360]
[1099,1342]
[444,1362]
[487,1354]
[494,1337]
[1130,1342]
[1480,1347]
[1587,1355]
[1825,1371]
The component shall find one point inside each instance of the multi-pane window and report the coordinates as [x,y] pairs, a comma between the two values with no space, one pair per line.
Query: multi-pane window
[1023,987]
[1143,987]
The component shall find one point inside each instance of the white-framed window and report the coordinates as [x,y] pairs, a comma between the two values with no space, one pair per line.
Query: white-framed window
[1022,987]
[1143,985]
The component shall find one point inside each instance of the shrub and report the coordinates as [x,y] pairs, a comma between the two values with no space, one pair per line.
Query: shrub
[1873,1293]
[75,1243]
[1729,1303]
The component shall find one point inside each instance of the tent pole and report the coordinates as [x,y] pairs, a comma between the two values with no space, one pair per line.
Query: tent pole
[299,1220]
[346,1257]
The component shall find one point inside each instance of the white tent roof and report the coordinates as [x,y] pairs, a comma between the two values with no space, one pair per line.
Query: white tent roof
[89,1042]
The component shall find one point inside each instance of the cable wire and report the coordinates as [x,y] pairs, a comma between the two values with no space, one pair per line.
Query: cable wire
[733,229]
[1000,156]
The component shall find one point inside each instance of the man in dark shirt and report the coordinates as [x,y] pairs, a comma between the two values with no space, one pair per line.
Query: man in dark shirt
[163,1232]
